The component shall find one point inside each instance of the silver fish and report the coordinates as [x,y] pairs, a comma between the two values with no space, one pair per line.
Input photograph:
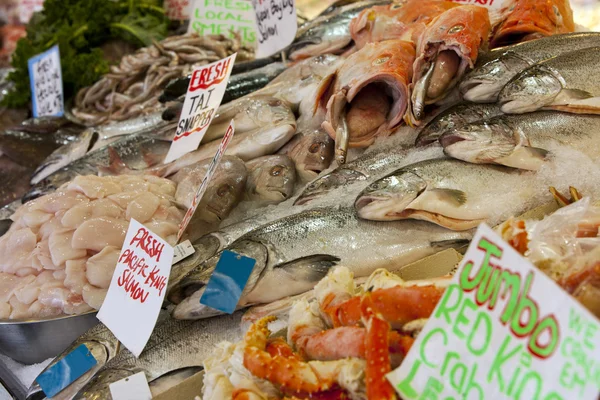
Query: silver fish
[453,194]
[454,117]
[568,82]
[523,141]
[93,139]
[495,68]
[225,190]
[293,253]
[312,154]
[271,179]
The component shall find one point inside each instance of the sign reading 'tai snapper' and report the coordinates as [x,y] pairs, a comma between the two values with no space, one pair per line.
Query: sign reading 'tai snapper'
[137,288]
[503,330]
[276,25]
[205,92]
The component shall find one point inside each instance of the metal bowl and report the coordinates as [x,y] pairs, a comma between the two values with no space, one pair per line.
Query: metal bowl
[34,341]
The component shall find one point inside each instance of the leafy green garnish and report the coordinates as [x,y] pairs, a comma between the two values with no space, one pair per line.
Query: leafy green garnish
[80,27]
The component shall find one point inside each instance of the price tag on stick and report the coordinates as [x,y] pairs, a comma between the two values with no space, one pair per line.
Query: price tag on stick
[204,95]
[45,77]
[502,330]
[217,17]
[134,387]
[276,25]
[66,371]
[209,174]
[137,288]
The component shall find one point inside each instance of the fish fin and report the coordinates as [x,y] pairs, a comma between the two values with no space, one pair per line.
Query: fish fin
[116,166]
[311,268]
[151,159]
[577,94]
[452,195]
[458,244]
[528,158]
[323,93]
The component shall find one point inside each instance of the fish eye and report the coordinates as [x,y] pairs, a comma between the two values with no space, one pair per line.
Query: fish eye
[277,170]
[314,147]
[224,189]
[456,28]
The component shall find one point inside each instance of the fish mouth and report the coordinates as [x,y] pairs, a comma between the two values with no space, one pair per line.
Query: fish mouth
[450,138]
[315,46]
[480,90]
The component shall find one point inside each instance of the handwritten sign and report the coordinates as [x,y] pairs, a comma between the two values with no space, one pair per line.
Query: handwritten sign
[137,288]
[134,387]
[503,330]
[224,17]
[209,174]
[177,10]
[276,25]
[46,84]
[205,92]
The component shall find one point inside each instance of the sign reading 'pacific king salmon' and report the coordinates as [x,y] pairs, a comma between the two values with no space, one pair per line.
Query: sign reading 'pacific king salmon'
[502,330]
[203,98]
[137,288]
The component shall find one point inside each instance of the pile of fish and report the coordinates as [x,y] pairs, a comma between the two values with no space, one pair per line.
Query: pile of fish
[133,87]
[400,195]
[61,250]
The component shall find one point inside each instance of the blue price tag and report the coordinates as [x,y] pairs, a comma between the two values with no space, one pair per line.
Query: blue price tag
[67,370]
[227,282]
[45,77]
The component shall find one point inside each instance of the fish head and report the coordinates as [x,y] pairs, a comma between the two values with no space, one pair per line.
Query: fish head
[389,196]
[271,178]
[483,84]
[531,90]
[312,154]
[338,178]
[481,142]
[225,191]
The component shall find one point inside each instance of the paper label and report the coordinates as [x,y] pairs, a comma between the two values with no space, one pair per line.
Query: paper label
[177,10]
[134,387]
[137,288]
[209,174]
[276,25]
[182,250]
[27,8]
[224,17]
[203,97]
[45,77]
[66,370]
[502,330]
[227,282]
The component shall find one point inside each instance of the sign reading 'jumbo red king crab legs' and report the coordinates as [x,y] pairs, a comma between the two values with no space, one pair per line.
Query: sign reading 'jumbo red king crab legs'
[205,93]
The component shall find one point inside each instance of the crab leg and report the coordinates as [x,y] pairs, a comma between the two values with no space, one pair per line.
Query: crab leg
[447,49]
[532,19]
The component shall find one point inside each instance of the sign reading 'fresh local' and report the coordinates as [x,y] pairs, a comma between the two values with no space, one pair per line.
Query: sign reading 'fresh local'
[276,25]
[224,17]
[138,287]
[503,330]
[204,95]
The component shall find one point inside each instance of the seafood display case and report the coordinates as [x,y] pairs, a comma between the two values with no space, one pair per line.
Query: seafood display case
[348,172]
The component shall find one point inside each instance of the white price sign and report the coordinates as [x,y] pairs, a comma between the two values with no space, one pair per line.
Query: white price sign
[45,76]
[276,25]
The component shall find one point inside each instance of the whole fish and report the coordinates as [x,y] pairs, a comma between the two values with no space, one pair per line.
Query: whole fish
[271,179]
[458,195]
[495,68]
[312,153]
[134,149]
[523,141]
[270,125]
[454,117]
[93,139]
[225,190]
[568,82]
[533,19]
[447,50]
[175,351]
[238,86]
[369,95]
[293,253]
[31,141]
[328,33]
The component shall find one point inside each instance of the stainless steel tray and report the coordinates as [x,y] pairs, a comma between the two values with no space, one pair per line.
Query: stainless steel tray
[31,342]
